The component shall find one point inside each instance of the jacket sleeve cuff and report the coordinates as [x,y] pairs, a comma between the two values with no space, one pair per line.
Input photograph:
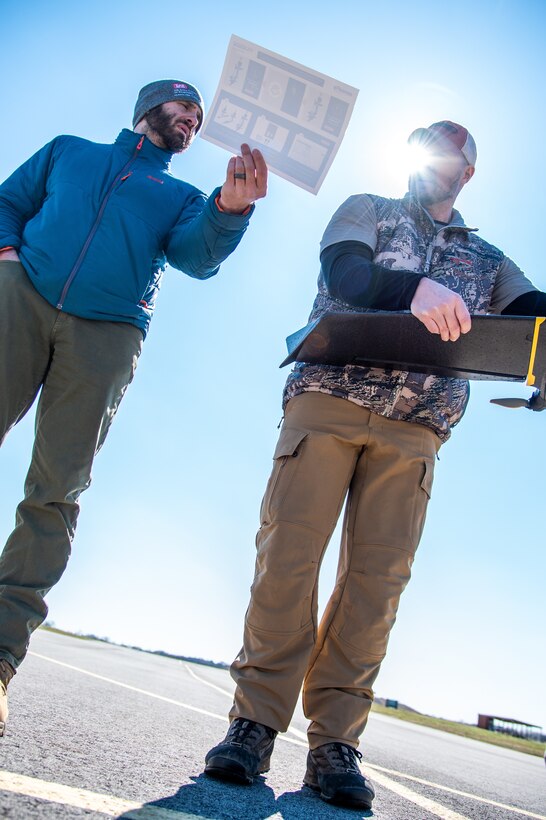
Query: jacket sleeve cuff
[222,211]
[10,241]
[224,220]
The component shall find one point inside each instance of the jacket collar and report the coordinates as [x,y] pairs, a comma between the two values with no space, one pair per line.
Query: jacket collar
[416,209]
[128,141]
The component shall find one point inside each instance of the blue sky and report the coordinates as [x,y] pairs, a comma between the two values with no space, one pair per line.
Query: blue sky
[164,552]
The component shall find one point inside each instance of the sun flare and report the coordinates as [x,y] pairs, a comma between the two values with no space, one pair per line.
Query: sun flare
[399,160]
[417,157]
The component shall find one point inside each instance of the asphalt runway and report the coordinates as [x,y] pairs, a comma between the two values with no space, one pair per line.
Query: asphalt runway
[100,731]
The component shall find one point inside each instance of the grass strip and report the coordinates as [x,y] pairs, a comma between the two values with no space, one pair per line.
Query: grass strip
[517,744]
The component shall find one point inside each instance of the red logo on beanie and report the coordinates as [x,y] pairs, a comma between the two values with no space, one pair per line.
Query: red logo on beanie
[179,85]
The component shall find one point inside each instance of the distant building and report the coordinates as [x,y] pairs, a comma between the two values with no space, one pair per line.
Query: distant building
[509,726]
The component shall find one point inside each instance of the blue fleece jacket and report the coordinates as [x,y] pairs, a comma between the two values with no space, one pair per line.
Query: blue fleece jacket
[95,225]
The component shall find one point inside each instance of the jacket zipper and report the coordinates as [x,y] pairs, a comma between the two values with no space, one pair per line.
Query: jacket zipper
[92,232]
[432,245]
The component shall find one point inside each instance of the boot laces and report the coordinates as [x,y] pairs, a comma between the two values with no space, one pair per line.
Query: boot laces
[343,758]
[244,731]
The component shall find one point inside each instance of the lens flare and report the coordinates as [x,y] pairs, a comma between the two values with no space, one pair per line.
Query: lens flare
[400,160]
[417,157]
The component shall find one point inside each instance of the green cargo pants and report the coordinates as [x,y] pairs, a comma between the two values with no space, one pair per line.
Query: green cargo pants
[331,450]
[83,368]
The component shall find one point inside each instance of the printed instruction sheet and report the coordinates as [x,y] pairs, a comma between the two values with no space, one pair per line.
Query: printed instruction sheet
[296,116]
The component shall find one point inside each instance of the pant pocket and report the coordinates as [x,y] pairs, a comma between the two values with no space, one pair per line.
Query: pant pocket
[428,477]
[288,447]
[422,499]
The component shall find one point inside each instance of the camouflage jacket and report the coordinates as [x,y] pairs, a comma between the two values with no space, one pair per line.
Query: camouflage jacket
[407,238]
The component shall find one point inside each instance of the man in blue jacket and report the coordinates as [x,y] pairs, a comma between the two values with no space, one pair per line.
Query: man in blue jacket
[86,231]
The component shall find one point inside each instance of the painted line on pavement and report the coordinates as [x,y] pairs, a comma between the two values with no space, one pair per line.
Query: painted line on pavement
[378,769]
[143,691]
[504,806]
[84,799]
[131,688]
[208,683]
[419,799]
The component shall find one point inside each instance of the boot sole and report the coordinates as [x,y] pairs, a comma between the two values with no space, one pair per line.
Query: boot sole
[229,775]
[226,769]
[342,798]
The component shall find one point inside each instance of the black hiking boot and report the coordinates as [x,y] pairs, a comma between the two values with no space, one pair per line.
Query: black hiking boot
[333,770]
[244,753]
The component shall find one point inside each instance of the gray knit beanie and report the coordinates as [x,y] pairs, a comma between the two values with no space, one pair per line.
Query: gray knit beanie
[163,91]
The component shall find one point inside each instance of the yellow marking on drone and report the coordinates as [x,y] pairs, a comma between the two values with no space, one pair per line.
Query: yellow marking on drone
[530,375]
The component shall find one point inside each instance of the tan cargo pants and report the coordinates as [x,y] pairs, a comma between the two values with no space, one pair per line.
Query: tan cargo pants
[83,368]
[331,449]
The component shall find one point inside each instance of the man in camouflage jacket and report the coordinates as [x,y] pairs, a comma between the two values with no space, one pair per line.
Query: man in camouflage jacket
[368,436]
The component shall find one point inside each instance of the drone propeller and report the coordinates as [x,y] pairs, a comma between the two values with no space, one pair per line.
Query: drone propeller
[536,402]
[512,403]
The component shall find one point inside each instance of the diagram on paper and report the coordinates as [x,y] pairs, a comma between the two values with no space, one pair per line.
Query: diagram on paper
[295,115]
[232,116]
[269,133]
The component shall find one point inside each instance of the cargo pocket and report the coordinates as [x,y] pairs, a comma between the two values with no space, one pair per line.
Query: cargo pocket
[287,449]
[426,483]
[424,497]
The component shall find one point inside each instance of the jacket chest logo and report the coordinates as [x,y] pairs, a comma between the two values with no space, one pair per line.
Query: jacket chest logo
[459,260]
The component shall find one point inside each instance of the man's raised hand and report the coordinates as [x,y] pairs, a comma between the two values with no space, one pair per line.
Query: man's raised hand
[246,181]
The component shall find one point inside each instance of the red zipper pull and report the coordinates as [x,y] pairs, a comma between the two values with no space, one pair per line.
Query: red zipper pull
[126,176]
[139,146]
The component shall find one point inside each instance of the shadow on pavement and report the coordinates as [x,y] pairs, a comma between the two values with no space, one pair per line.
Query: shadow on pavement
[207,799]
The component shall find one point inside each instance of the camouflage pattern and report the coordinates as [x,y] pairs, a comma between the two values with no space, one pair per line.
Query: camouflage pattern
[407,238]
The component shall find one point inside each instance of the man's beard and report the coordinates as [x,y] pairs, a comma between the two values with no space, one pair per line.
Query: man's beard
[435,192]
[165,127]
